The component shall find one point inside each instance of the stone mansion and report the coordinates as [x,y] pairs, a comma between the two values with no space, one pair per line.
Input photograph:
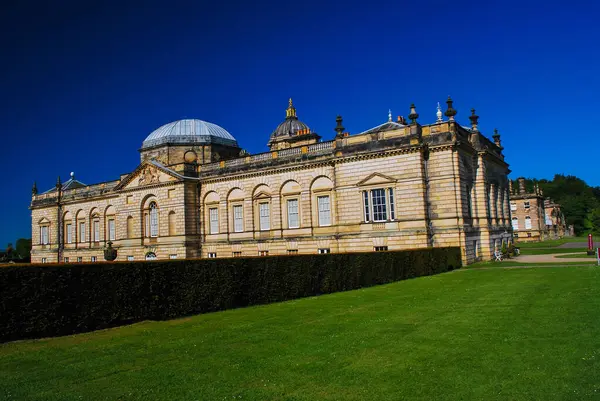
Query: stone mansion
[197,194]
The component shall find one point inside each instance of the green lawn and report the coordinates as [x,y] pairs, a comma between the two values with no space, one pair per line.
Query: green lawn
[578,255]
[480,334]
[548,251]
[550,243]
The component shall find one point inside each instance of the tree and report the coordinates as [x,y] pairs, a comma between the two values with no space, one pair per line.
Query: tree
[23,248]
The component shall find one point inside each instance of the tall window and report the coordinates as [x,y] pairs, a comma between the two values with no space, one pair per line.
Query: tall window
[513,206]
[213,217]
[96,233]
[324,207]
[44,238]
[528,223]
[153,220]
[81,231]
[515,223]
[293,216]
[69,233]
[111,230]
[379,204]
[264,216]
[129,227]
[238,218]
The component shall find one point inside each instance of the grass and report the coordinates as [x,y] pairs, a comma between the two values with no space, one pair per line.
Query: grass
[550,243]
[480,334]
[549,251]
[583,255]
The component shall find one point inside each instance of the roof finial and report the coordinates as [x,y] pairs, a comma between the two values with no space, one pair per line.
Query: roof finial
[413,114]
[439,113]
[72,175]
[34,189]
[451,112]
[291,110]
[474,119]
[389,115]
[339,127]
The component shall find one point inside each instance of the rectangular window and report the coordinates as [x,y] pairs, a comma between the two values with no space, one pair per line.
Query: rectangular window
[212,255]
[292,252]
[379,205]
[96,231]
[69,233]
[66,259]
[111,230]
[82,232]
[513,206]
[366,203]
[237,254]
[44,260]
[527,223]
[526,204]
[264,216]
[515,223]
[528,235]
[94,259]
[475,248]
[171,193]
[324,207]
[238,218]
[516,235]
[381,248]
[392,205]
[292,210]
[129,199]
[324,250]
[214,220]
[79,259]
[263,253]
[173,256]
[44,235]
[130,258]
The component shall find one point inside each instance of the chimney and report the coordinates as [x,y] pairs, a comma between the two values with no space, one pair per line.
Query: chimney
[521,182]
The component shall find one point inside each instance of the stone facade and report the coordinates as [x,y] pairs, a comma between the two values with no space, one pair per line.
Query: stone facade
[396,186]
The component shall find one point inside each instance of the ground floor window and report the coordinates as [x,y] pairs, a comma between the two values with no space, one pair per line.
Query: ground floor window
[263,253]
[66,259]
[150,256]
[324,250]
[237,254]
[381,248]
[130,258]
[212,255]
[79,259]
[292,252]
[94,259]
[173,256]
[44,260]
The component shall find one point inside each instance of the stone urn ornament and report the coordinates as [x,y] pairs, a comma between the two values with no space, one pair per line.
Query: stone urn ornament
[110,253]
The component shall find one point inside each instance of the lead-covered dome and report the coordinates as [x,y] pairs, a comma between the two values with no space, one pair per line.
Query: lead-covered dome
[290,127]
[189,131]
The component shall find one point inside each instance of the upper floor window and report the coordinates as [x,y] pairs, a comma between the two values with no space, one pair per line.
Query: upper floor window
[264,216]
[81,231]
[526,204]
[96,230]
[379,204]
[69,233]
[238,218]
[513,206]
[527,223]
[153,219]
[324,206]
[111,230]
[44,235]
[293,213]
[515,223]
[213,217]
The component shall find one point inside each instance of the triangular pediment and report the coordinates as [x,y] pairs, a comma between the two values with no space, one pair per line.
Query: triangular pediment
[262,195]
[376,178]
[149,172]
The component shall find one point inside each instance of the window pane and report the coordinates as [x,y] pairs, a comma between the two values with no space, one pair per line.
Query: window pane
[96,231]
[324,210]
[515,223]
[153,220]
[265,220]
[69,233]
[292,206]
[214,220]
[527,222]
[366,203]
[392,206]
[238,219]
[379,204]
[111,230]
[81,232]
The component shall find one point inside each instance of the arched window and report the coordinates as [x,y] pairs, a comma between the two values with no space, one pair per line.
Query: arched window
[528,223]
[515,223]
[171,223]
[153,219]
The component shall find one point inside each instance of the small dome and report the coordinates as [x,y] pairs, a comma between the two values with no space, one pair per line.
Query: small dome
[290,126]
[190,131]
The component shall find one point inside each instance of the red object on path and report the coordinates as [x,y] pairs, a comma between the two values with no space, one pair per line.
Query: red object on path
[590,243]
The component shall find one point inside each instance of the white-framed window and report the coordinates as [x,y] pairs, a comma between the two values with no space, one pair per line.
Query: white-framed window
[381,248]
[515,223]
[527,223]
[237,254]
[44,236]
[130,258]
[44,260]
[292,252]
[69,233]
[111,230]
[96,231]
[212,255]
[213,218]
[173,256]
[66,259]
[324,207]
[81,231]
[238,218]
[526,204]
[263,253]
[264,216]
[324,250]
[94,259]
[79,259]
[293,213]
[153,220]
[513,206]
[379,204]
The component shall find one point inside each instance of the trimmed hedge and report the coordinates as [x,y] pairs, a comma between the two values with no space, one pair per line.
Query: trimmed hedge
[51,300]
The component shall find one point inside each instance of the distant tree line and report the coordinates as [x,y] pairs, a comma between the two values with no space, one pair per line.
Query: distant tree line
[579,202]
[21,253]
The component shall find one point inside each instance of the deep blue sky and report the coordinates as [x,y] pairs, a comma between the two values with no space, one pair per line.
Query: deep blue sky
[82,86]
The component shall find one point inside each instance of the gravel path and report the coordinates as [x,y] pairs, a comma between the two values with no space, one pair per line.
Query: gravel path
[550,259]
[578,245]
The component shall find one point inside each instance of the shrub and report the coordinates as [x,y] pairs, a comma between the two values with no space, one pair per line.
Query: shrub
[50,300]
